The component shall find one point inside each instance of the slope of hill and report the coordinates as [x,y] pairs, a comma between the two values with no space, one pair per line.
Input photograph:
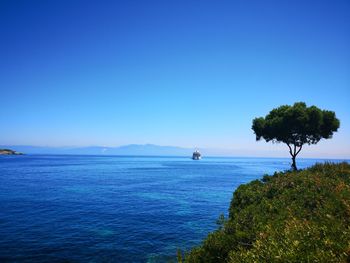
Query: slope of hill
[301,216]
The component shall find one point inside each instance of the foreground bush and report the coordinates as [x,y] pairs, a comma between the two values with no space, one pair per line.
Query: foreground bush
[301,216]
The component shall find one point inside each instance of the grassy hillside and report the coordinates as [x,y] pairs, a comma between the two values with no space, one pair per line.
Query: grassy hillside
[301,216]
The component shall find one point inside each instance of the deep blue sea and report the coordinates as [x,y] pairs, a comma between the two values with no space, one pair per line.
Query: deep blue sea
[56,208]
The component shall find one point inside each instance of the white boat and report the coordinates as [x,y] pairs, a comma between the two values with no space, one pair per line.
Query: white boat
[196,155]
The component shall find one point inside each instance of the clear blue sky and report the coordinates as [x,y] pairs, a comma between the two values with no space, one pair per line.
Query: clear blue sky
[183,73]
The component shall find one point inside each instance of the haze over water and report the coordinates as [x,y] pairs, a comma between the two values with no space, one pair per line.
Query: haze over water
[116,209]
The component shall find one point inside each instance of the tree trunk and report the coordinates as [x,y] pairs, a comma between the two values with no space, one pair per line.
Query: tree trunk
[294,154]
[294,165]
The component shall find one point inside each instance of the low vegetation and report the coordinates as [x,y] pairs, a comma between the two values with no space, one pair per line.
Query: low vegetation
[296,216]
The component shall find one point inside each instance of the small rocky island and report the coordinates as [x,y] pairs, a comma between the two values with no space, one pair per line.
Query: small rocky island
[9,152]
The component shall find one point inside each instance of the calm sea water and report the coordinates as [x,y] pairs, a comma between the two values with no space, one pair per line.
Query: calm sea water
[116,209]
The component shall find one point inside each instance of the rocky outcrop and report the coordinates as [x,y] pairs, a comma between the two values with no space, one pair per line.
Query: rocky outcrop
[9,152]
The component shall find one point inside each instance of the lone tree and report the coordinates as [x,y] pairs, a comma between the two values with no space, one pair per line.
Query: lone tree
[295,126]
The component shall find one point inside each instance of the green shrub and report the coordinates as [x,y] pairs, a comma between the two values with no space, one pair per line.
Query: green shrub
[301,216]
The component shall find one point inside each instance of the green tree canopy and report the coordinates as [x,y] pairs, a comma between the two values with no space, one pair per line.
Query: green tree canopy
[295,126]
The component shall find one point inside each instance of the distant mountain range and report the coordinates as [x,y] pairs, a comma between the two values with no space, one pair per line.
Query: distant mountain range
[132,149]
[157,150]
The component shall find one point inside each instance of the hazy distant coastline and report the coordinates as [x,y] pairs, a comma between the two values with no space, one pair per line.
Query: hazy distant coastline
[7,151]
[157,150]
[132,149]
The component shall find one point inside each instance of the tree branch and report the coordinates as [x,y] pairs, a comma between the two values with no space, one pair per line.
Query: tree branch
[290,149]
[295,150]
[301,146]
